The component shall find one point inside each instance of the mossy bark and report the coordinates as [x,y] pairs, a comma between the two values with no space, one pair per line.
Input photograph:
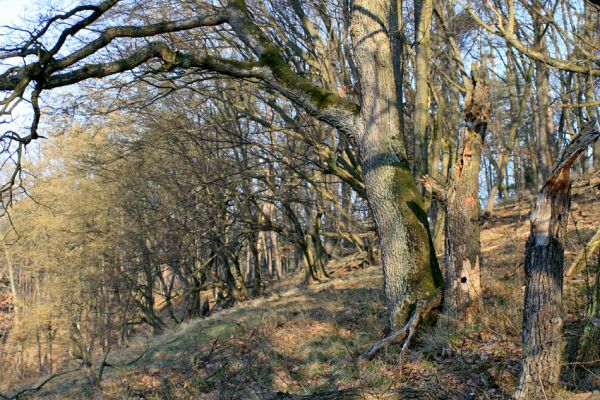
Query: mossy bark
[411,272]
[410,268]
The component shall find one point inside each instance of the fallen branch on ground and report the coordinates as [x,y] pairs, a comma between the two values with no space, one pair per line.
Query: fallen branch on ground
[406,333]
[129,364]
[40,385]
[353,261]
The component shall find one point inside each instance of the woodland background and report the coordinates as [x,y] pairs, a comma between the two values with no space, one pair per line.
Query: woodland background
[195,206]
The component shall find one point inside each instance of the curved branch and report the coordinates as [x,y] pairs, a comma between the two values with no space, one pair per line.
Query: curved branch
[508,34]
[133,31]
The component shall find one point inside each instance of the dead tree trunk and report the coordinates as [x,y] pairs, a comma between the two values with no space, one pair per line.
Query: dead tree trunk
[462,293]
[544,255]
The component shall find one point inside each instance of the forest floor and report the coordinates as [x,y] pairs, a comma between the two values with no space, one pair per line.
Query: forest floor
[306,340]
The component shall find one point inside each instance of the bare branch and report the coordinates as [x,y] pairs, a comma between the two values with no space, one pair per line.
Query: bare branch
[407,331]
[40,385]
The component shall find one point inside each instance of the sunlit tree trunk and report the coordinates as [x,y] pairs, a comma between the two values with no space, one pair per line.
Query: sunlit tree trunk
[517,113]
[462,292]
[275,255]
[544,115]
[423,13]
[409,264]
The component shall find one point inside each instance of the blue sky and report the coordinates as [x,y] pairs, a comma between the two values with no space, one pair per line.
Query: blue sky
[12,10]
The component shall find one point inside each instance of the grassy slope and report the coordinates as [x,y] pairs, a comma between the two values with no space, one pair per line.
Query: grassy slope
[304,340]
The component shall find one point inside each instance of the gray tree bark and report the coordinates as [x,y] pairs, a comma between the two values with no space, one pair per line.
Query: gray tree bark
[410,268]
[423,13]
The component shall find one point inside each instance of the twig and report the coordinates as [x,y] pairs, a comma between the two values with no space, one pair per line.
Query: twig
[102,365]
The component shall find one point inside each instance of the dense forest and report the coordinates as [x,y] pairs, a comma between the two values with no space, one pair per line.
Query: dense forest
[172,168]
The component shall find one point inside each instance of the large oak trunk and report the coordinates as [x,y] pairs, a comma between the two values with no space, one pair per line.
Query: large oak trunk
[410,268]
[544,255]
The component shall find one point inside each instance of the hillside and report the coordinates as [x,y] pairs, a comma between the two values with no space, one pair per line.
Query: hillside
[304,340]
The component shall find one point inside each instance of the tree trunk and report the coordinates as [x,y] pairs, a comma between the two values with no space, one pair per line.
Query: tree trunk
[544,115]
[13,282]
[234,294]
[310,275]
[589,348]
[147,304]
[410,268]
[462,293]
[256,278]
[518,111]
[544,255]
[193,300]
[423,13]
[440,220]
[399,60]
[275,256]
[319,249]
[591,33]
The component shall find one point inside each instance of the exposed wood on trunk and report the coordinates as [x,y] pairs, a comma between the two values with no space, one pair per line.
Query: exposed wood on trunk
[544,256]
[462,293]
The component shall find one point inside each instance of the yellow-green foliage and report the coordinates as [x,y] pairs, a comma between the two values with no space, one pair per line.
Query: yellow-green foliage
[61,236]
